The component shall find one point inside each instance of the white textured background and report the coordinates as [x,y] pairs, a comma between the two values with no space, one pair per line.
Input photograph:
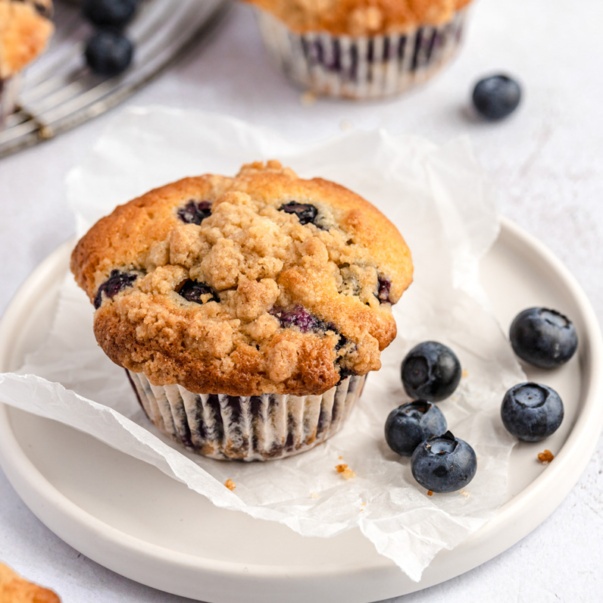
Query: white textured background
[546,162]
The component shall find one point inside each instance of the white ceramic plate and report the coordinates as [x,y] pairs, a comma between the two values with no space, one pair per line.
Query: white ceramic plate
[133,519]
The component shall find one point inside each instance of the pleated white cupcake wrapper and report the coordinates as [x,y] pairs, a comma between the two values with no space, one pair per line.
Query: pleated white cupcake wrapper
[251,428]
[361,67]
[9,89]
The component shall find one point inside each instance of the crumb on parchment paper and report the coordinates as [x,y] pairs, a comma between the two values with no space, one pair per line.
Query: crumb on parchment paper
[308,98]
[429,492]
[545,457]
[230,484]
[345,471]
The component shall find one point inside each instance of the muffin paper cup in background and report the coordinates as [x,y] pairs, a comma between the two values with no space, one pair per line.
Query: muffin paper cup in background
[361,67]
[9,88]
[252,428]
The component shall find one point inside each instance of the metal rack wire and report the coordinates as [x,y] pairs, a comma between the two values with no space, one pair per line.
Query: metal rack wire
[59,92]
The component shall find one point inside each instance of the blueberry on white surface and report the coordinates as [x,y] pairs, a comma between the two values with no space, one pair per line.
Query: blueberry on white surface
[430,371]
[443,463]
[497,96]
[542,337]
[109,13]
[108,53]
[531,411]
[409,424]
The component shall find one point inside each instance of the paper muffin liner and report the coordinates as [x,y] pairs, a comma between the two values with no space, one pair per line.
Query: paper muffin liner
[361,67]
[253,428]
[9,88]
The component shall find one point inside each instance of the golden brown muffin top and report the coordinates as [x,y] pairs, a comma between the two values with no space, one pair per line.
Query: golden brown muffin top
[25,28]
[360,17]
[261,283]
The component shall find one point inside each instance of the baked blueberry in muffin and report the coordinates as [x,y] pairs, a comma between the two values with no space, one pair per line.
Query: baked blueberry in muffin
[247,310]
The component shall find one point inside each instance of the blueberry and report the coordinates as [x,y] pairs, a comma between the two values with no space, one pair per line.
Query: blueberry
[443,463]
[299,317]
[197,292]
[496,97]
[542,337]
[383,288]
[109,13]
[117,281]
[194,212]
[108,53]
[306,213]
[430,371]
[531,412]
[409,424]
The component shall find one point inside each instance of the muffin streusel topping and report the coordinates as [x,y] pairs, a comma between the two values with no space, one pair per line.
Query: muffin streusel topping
[360,17]
[262,283]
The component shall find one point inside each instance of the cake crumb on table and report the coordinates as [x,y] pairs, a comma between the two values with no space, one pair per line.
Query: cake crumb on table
[545,457]
[308,98]
[345,471]
[429,492]
[230,485]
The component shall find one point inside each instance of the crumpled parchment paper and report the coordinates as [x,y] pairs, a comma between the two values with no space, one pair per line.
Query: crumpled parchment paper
[444,206]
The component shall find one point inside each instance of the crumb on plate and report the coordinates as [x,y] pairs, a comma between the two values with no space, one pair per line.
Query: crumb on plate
[345,471]
[308,98]
[545,457]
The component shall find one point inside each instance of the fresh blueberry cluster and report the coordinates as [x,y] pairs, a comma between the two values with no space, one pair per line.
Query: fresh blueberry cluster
[431,372]
[545,339]
[109,51]
[439,461]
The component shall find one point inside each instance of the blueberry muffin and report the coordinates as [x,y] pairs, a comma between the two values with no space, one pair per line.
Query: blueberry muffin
[25,28]
[247,310]
[361,48]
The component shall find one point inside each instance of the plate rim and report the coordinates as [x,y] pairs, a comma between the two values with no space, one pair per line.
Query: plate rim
[53,508]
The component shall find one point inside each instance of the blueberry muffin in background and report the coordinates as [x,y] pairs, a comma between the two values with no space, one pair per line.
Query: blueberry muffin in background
[25,28]
[247,311]
[361,49]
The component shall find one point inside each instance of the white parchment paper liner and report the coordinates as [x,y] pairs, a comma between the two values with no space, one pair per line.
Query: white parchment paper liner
[441,201]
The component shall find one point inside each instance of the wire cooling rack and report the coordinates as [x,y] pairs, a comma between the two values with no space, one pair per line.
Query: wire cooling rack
[59,92]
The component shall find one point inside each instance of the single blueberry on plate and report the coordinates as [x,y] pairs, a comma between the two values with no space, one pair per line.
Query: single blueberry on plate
[542,337]
[197,292]
[531,411]
[443,463]
[108,53]
[496,97]
[117,281]
[194,212]
[109,13]
[306,212]
[430,371]
[410,424]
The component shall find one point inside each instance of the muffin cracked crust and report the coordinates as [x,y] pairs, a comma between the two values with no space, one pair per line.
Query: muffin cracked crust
[264,283]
